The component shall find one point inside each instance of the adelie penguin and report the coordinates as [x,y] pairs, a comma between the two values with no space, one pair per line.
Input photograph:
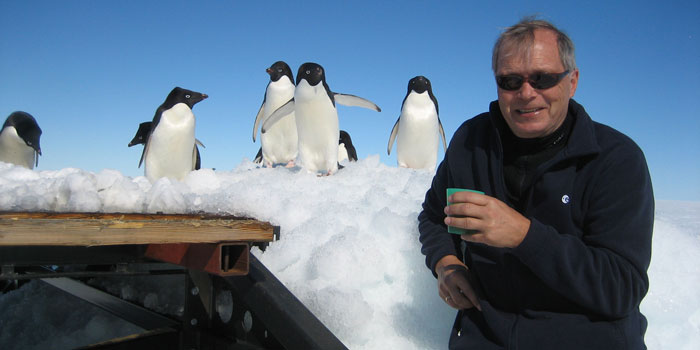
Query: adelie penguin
[20,140]
[279,142]
[170,146]
[142,135]
[418,128]
[316,116]
[346,150]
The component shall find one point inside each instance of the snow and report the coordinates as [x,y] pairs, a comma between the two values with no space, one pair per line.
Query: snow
[349,251]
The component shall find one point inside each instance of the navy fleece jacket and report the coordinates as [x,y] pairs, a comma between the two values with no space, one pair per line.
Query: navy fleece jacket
[578,277]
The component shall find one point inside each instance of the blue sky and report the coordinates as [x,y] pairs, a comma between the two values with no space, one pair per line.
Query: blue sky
[91,71]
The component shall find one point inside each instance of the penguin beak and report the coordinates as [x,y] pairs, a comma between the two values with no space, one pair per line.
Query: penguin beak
[269,70]
[204,96]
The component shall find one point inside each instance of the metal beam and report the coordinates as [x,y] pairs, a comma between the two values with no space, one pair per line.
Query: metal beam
[162,338]
[123,309]
[69,255]
[282,314]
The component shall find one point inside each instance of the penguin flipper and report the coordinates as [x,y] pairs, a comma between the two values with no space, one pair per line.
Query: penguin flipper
[196,159]
[352,153]
[394,131]
[442,133]
[258,157]
[143,154]
[285,110]
[258,119]
[352,100]
[197,142]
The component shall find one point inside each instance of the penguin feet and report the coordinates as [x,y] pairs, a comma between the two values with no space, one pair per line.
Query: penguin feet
[291,164]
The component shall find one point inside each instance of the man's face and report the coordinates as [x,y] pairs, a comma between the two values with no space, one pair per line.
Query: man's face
[531,112]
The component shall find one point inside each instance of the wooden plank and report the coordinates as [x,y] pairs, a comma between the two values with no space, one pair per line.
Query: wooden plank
[99,229]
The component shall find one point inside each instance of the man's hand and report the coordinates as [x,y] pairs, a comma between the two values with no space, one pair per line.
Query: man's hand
[498,225]
[453,285]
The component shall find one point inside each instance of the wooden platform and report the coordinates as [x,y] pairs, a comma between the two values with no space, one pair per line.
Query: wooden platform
[100,229]
[215,244]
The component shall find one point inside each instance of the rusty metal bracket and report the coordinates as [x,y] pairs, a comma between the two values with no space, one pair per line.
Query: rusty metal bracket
[222,259]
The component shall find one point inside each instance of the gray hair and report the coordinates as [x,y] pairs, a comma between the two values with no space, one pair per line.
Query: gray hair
[521,36]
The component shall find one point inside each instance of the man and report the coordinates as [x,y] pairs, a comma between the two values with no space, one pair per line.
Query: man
[562,237]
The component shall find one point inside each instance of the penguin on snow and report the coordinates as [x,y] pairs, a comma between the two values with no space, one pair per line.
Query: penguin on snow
[316,116]
[279,142]
[346,150]
[142,135]
[418,128]
[170,146]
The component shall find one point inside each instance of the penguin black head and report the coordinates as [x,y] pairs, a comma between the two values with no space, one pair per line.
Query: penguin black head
[312,72]
[27,128]
[345,137]
[419,84]
[180,95]
[141,134]
[279,69]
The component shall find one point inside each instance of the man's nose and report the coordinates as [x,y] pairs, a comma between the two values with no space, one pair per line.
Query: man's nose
[527,91]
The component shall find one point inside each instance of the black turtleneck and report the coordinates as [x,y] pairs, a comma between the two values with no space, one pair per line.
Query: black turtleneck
[522,157]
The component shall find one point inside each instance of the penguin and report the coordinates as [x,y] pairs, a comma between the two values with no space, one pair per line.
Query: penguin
[279,143]
[142,135]
[316,118]
[20,140]
[171,149]
[416,130]
[346,150]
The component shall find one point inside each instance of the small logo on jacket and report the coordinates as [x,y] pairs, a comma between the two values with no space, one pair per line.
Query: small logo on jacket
[565,199]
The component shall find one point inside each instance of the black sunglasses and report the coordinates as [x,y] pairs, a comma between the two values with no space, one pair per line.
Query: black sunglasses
[513,82]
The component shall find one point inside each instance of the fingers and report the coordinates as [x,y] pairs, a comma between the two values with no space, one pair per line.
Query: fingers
[467,215]
[468,223]
[468,197]
[454,288]
[461,299]
[466,297]
[457,302]
[465,209]
[496,224]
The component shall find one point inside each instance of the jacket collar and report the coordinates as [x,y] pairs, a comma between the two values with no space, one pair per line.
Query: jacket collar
[582,141]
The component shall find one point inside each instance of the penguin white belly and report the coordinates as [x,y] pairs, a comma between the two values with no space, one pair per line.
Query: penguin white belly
[279,143]
[317,126]
[342,153]
[14,150]
[171,145]
[418,135]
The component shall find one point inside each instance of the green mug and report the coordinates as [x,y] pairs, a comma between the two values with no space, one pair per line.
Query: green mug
[458,230]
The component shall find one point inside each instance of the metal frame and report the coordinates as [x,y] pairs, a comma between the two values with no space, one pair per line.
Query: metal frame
[260,312]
